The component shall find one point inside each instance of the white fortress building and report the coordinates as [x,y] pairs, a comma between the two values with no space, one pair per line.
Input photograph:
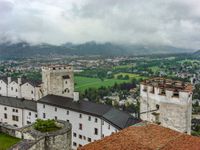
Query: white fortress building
[167,102]
[23,101]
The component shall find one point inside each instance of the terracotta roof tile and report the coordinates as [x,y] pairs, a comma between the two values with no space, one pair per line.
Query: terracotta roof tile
[147,137]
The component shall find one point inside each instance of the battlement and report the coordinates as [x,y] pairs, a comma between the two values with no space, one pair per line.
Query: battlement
[168,84]
[165,90]
[57,68]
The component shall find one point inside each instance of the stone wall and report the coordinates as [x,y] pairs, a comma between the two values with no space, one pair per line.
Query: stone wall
[35,140]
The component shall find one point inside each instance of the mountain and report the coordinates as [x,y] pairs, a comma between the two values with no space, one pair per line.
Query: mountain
[196,53]
[24,49]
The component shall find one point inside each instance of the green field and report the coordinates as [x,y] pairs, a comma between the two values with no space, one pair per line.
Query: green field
[124,66]
[131,75]
[82,83]
[155,68]
[7,141]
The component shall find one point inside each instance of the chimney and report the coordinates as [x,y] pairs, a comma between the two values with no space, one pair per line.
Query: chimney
[9,80]
[76,96]
[19,80]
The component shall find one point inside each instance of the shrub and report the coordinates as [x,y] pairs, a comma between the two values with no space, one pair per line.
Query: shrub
[45,125]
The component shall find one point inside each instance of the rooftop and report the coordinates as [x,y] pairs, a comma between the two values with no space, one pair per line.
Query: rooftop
[146,137]
[169,84]
[18,103]
[116,117]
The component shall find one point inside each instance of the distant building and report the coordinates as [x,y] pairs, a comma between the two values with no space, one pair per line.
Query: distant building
[167,102]
[146,137]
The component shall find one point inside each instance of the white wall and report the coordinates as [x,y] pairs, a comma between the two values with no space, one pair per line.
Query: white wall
[73,117]
[28,91]
[14,90]
[29,116]
[3,88]
[10,113]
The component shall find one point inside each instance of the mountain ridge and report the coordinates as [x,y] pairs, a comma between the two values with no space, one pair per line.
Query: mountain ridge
[24,49]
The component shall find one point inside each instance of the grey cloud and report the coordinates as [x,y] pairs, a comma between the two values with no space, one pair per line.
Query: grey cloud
[171,22]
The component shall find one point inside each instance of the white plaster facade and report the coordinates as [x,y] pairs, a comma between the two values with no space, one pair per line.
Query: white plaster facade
[3,88]
[17,116]
[167,109]
[89,124]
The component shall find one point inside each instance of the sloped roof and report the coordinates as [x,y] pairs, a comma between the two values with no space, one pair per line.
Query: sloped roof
[146,137]
[18,103]
[116,117]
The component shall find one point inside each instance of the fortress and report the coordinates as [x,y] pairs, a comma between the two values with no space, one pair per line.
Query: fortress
[167,102]
[23,101]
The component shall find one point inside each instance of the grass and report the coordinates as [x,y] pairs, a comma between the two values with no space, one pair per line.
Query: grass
[7,141]
[83,83]
[131,75]
[124,66]
[155,68]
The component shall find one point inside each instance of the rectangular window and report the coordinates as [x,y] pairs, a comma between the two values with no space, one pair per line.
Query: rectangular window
[29,113]
[5,116]
[68,112]
[89,139]
[74,134]
[55,109]
[74,144]
[108,126]
[44,115]
[5,108]
[56,118]
[95,131]
[35,115]
[80,126]
[15,118]
[80,136]
[80,115]
[96,120]
[16,110]
[43,106]
[89,118]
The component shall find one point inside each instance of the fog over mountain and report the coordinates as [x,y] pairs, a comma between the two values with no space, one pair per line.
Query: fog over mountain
[173,23]
[23,49]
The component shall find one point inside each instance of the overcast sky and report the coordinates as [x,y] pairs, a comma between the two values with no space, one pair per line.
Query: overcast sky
[166,22]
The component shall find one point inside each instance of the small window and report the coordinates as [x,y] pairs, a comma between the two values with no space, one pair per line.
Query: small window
[80,126]
[12,88]
[74,134]
[35,115]
[80,136]
[55,109]
[16,110]
[95,131]
[5,116]
[67,120]
[68,112]
[108,126]
[89,139]
[84,137]
[80,115]
[16,90]
[89,118]
[96,120]
[56,118]
[74,144]
[5,108]
[43,106]
[44,115]
[31,92]
[29,113]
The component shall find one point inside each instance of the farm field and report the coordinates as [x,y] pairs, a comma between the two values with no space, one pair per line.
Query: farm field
[82,83]
[131,75]
[7,141]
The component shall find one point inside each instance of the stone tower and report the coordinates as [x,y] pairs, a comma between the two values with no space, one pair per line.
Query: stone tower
[167,102]
[58,80]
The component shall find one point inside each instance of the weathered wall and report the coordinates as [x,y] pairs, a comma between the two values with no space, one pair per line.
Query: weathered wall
[35,140]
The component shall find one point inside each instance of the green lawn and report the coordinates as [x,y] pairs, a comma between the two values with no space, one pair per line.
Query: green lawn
[82,83]
[131,75]
[7,141]
[155,68]
[124,66]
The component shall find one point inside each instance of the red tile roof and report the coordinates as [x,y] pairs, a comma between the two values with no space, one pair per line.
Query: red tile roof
[147,137]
